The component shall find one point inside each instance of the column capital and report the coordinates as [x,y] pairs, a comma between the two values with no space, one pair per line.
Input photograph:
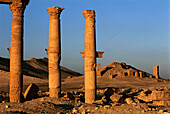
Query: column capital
[18,7]
[89,14]
[54,12]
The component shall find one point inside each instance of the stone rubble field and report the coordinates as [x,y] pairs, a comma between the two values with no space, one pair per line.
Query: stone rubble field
[154,100]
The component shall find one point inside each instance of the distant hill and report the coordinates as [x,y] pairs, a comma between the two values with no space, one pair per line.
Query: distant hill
[37,68]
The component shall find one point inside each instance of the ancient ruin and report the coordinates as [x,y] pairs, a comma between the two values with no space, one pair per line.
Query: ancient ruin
[156,71]
[90,55]
[54,51]
[136,74]
[16,50]
[119,88]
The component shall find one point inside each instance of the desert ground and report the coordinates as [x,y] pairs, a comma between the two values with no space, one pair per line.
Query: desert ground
[116,95]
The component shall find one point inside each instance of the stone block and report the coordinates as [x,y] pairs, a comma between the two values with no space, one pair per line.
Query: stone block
[31,92]
[160,95]
[162,103]
[129,100]
[116,97]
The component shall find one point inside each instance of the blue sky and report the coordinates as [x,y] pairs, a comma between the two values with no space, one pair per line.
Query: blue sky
[132,31]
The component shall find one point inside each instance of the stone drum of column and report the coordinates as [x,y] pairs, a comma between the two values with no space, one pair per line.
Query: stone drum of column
[54,51]
[90,56]
[16,51]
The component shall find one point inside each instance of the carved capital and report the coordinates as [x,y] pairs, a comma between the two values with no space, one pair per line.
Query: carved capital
[89,14]
[54,12]
[18,7]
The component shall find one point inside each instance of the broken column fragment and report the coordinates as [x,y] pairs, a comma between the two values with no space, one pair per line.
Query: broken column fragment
[31,92]
[156,71]
[98,69]
[54,51]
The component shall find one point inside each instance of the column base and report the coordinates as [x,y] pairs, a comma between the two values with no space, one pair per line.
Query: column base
[54,92]
[16,96]
[90,95]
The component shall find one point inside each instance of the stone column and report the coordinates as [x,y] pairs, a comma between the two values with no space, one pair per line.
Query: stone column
[136,74]
[54,51]
[16,50]
[129,72]
[156,71]
[141,74]
[90,56]
[98,69]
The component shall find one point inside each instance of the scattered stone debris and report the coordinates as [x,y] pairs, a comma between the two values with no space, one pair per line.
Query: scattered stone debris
[122,100]
[116,97]
[161,98]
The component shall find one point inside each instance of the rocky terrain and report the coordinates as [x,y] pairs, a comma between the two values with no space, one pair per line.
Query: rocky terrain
[37,68]
[127,94]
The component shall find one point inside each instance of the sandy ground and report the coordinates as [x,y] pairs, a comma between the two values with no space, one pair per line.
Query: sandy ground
[44,104]
[102,82]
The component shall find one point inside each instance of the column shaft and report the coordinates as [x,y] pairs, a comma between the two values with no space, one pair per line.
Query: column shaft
[16,52]
[54,52]
[90,56]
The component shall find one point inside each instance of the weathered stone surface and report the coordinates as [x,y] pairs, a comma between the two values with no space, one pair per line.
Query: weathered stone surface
[98,69]
[16,50]
[162,103]
[90,56]
[54,51]
[142,96]
[116,97]
[31,92]
[160,95]
[142,106]
[102,101]
[156,71]
[129,100]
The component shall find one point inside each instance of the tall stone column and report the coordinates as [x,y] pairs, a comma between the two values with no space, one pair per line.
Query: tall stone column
[156,71]
[54,51]
[90,56]
[16,50]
